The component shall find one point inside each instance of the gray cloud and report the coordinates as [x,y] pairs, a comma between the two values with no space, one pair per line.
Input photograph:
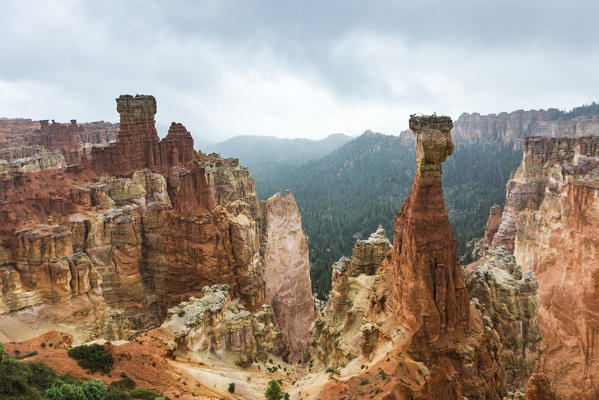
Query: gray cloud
[304,68]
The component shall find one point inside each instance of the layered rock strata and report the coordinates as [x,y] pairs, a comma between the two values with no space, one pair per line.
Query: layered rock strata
[27,139]
[138,146]
[509,299]
[550,224]
[513,127]
[140,225]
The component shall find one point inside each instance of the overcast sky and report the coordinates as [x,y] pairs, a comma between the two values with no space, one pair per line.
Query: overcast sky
[295,68]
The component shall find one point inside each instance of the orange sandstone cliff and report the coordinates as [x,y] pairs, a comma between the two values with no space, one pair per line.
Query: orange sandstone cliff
[101,235]
[550,223]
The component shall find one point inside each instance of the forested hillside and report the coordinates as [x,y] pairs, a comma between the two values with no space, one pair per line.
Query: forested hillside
[264,152]
[348,193]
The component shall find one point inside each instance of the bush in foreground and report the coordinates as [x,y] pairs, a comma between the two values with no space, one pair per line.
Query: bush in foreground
[93,357]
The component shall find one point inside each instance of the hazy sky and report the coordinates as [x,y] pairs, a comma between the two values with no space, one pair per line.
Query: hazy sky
[295,68]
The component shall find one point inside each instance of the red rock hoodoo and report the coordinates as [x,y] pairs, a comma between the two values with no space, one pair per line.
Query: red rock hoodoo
[110,239]
[138,146]
[430,295]
[420,336]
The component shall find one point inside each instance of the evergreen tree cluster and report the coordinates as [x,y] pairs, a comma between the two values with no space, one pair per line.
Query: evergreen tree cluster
[345,195]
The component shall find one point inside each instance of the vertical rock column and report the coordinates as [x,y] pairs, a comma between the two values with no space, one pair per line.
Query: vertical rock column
[136,146]
[429,295]
[287,272]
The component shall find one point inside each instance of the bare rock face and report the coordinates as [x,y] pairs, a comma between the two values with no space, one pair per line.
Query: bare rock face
[430,295]
[287,272]
[220,326]
[509,299]
[136,226]
[368,254]
[420,336]
[490,229]
[45,270]
[550,223]
[512,127]
[230,182]
[40,161]
[343,332]
[194,197]
[539,388]
[137,145]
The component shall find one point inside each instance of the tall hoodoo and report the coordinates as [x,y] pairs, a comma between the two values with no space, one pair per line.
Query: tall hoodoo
[417,300]
[137,118]
[429,294]
[138,146]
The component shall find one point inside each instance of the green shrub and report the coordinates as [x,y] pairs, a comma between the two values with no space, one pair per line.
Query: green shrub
[15,379]
[94,389]
[364,381]
[145,394]
[181,313]
[2,352]
[231,387]
[116,394]
[65,392]
[93,357]
[273,391]
[125,383]
[41,376]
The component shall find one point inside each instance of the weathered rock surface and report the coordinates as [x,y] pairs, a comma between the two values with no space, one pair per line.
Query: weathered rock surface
[135,227]
[425,257]
[513,127]
[368,254]
[27,139]
[342,332]
[287,272]
[230,182]
[220,326]
[421,337]
[491,229]
[550,223]
[539,388]
[509,299]
[138,146]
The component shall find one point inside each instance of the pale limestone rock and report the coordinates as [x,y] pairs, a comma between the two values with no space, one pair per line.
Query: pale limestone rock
[218,325]
[287,272]
[342,332]
[368,254]
[45,160]
[509,299]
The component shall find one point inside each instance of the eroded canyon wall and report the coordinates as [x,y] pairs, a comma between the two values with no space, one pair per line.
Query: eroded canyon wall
[125,229]
[513,127]
[550,223]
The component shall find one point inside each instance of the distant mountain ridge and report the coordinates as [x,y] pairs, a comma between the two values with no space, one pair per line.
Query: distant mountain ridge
[259,151]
